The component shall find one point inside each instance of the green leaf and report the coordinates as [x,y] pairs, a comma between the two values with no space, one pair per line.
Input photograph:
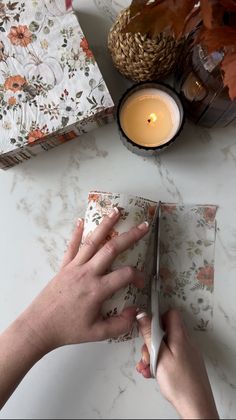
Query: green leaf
[79,94]
[90,101]
[46,30]
[34,26]
[64,121]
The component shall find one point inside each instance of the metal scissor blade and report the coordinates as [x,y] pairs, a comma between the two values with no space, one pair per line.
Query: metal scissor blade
[156,331]
[156,249]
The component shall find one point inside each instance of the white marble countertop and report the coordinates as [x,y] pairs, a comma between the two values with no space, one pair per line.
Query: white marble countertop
[40,201]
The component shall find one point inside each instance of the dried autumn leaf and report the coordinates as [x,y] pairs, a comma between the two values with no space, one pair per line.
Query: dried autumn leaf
[228,66]
[180,10]
[212,13]
[153,20]
[192,21]
[229,5]
[137,7]
[162,15]
[217,38]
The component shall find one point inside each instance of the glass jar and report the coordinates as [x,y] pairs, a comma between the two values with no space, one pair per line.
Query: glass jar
[198,79]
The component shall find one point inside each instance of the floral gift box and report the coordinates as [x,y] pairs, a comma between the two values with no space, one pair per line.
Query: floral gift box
[51,89]
[187,247]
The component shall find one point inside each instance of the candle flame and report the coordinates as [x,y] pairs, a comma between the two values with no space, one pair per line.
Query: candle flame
[152,118]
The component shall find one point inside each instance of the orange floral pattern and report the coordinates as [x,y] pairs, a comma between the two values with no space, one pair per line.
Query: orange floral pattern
[94,197]
[20,35]
[85,47]
[205,275]
[209,214]
[165,274]
[35,135]
[15,83]
[12,101]
[168,208]
[152,210]
[111,235]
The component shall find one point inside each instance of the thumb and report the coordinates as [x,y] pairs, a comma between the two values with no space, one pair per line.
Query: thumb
[144,322]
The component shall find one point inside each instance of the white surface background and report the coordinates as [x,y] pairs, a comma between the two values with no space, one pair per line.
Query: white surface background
[40,201]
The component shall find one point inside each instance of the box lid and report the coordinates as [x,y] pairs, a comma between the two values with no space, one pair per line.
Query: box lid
[48,75]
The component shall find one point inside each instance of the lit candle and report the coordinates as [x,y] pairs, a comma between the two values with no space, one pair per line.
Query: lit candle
[150,116]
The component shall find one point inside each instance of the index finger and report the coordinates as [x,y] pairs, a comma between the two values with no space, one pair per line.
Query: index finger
[92,242]
[104,258]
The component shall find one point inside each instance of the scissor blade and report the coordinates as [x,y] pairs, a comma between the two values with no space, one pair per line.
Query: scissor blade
[156,250]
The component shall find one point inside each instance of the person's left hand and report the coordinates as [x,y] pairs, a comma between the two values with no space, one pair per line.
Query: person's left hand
[68,310]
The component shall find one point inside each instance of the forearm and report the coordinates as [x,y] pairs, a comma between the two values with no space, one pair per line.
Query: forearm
[206,413]
[203,409]
[19,351]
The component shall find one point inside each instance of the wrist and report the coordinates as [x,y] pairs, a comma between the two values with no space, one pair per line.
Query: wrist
[20,351]
[33,326]
[201,411]
[27,337]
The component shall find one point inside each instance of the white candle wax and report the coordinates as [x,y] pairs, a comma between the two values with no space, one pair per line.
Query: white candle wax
[150,117]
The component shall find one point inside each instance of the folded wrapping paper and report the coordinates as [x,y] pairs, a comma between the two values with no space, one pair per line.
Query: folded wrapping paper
[187,250]
[187,255]
[134,210]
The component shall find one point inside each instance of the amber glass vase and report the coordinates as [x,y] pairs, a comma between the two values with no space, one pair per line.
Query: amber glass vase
[198,80]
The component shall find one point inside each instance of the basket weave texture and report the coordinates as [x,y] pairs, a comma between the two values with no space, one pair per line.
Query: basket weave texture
[139,57]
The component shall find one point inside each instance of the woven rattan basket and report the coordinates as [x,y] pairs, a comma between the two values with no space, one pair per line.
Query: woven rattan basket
[137,56]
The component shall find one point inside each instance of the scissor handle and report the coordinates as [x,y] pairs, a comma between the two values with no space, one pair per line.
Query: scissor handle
[157,334]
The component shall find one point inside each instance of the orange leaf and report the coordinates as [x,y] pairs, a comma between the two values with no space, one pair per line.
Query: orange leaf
[153,20]
[218,38]
[229,5]
[192,21]
[159,16]
[228,66]
[212,13]
[137,7]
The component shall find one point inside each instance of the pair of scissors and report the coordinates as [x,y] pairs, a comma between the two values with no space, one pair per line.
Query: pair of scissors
[157,332]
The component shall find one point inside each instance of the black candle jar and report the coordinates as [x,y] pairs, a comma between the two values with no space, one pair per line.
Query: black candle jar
[174,103]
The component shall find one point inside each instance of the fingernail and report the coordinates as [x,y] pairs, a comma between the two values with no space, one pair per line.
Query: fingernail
[114,213]
[139,367]
[79,221]
[141,315]
[144,226]
[145,364]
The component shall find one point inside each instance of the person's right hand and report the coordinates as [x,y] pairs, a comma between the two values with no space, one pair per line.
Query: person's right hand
[181,372]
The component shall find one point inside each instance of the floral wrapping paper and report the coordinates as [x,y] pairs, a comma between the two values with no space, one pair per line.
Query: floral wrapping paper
[134,210]
[187,242]
[51,89]
[187,249]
